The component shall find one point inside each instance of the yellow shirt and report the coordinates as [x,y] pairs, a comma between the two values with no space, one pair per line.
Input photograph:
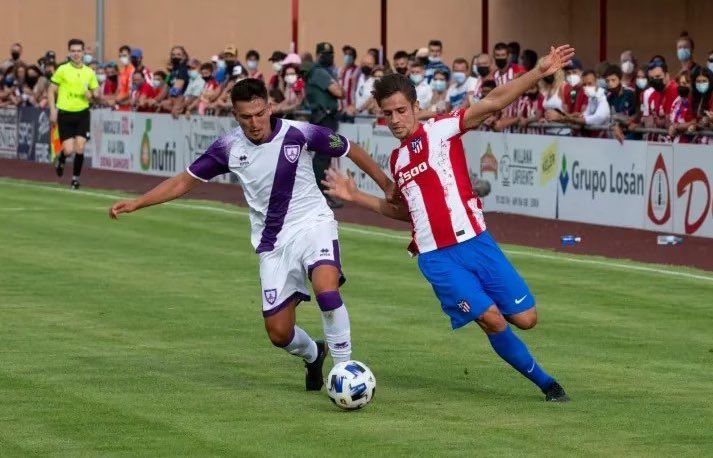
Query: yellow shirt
[73,84]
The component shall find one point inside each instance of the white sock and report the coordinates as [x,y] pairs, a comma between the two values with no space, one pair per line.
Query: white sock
[337,333]
[302,345]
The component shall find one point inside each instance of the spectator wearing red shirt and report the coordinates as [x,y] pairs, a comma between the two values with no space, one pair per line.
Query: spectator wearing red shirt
[701,106]
[293,90]
[110,86]
[526,110]
[506,70]
[573,95]
[528,59]
[348,78]
[276,58]
[252,62]
[211,90]
[141,92]
[682,122]
[137,60]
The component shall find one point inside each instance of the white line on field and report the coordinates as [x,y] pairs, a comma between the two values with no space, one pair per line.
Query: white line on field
[386,235]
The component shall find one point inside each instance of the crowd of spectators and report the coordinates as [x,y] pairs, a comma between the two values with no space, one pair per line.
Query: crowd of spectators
[611,98]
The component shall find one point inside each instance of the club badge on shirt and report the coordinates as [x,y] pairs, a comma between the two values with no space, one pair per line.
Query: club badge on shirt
[292,152]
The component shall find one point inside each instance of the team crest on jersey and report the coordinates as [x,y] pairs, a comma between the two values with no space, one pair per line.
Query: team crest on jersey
[270,296]
[292,152]
[464,306]
[417,145]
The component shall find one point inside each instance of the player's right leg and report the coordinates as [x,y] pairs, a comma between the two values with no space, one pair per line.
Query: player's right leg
[66,125]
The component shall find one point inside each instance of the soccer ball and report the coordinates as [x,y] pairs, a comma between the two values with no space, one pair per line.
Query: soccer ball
[351,385]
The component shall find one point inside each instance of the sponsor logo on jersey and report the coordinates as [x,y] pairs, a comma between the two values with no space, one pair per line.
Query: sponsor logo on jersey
[406,175]
[417,145]
[464,306]
[335,141]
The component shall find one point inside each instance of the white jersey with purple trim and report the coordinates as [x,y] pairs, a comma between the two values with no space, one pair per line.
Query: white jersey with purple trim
[277,177]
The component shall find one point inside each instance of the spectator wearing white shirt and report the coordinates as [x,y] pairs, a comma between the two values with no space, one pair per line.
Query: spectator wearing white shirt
[482,69]
[596,113]
[417,74]
[365,84]
[457,95]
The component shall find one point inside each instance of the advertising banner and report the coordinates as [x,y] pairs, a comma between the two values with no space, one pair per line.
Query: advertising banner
[8,132]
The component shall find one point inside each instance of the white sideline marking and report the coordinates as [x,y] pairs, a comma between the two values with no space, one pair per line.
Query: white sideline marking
[386,235]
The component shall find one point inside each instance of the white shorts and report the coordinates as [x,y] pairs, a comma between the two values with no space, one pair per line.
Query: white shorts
[284,271]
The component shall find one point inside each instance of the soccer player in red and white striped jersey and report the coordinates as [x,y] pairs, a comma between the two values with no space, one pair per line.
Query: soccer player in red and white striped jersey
[471,276]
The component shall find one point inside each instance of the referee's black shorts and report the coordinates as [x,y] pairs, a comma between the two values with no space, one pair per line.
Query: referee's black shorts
[73,124]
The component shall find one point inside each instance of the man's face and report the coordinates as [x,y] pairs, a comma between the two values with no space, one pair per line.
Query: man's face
[228,57]
[137,80]
[417,70]
[483,60]
[15,49]
[110,71]
[434,51]
[254,118]
[613,82]
[76,53]
[460,67]
[124,54]
[500,53]
[574,71]
[658,74]
[368,61]
[400,115]
[176,53]
[401,64]
[206,73]
[589,80]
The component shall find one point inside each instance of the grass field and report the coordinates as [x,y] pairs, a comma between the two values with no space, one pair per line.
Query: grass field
[144,336]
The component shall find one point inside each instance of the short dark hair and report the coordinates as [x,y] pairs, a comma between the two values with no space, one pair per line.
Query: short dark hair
[530,56]
[514,47]
[613,70]
[206,66]
[658,63]
[400,55]
[349,49]
[589,72]
[75,41]
[252,53]
[390,84]
[443,72]
[460,60]
[138,72]
[685,36]
[126,48]
[160,73]
[489,84]
[500,45]
[247,90]
[417,63]
[438,43]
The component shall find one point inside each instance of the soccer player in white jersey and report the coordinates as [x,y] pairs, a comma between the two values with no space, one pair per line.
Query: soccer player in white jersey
[469,273]
[293,228]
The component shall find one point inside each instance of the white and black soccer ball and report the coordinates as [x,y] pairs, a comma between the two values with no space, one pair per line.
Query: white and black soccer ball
[351,385]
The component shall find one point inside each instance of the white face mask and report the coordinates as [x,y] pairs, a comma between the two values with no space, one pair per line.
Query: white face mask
[101,77]
[416,79]
[710,66]
[123,60]
[193,74]
[641,83]
[290,79]
[574,79]
[627,67]
[156,83]
[252,64]
[590,91]
[277,67]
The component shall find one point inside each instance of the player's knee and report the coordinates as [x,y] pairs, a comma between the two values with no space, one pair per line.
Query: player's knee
[329,300]
[526,322]
[492,321]
[280,336]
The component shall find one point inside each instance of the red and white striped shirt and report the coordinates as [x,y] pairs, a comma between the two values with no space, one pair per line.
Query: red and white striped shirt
[348,77]
[431,173]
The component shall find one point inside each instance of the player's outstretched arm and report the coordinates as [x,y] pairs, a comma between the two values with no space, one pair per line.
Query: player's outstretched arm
[505,94]
[170,189]
[344,188]
[361,158]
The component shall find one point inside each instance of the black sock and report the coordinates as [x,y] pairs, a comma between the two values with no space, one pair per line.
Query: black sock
[78,161]
[62,157]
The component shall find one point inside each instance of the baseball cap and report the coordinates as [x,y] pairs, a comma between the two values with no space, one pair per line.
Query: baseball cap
[292,58]
[573,64]
[230,49]
[324,47]
[50,56]
[136,52]
[277,56]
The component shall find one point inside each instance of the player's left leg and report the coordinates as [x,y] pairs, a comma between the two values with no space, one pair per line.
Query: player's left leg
[524,320]
[79,143]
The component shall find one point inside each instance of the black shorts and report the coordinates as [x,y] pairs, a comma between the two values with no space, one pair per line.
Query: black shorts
[73,124]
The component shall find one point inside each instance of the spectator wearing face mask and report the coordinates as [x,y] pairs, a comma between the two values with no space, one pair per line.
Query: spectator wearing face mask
[684,52]
[151,98]
[126,70]
[628,65]
[252,64]
[434,63]
[227,63]
[109,89]
[513,52]
[349,80]
[15,55]
[701,101]
[401,62]
[211,89]
[196,84]
[137,60]
[526,110]
[36,86]
[459,88]
[365,84]
[482,69]
[293,90]
[573,92]
[276,59]
[177,82]
[681,121]
[659,98]
[528,59]
[18,96]
[439,101]
[622,103]
[596,112]
[505,70]
[554,92]
[139,86]
[424,93]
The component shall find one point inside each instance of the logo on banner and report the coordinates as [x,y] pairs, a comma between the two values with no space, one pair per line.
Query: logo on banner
[564,176]
[488,162]
[686,185]
[270,296]
[659,207]
[548,164]
[291,152]
[416,145]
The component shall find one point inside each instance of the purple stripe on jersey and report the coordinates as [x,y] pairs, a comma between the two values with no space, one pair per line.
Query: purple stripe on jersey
[329,300]
[296,296]
[282,186]
[214,161]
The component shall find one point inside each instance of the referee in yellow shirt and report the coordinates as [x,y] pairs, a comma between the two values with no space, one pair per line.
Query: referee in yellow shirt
[74,85]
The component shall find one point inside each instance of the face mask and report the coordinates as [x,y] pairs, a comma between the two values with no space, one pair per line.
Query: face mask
[156,83]
[206,78]
[220,63]
[710,65]
[277,67]
[684,54]
[290,79]
[459,77]
[193,74]
[31,81]
[348,60]
[641,83]
[590,91]
[402,70]
[113,78]
[574,79]
[602,83]
[702,87]
[416,79]
[366,70]
[501,63]
[88,59]
[326,60]
[683,91]
[549,79]
[434,59]
[483,70]
[252,64]
[627,67]
[175,61]
[15,55]
[531,95]
[101,77]
[657,84]
[124,60]
[438,85]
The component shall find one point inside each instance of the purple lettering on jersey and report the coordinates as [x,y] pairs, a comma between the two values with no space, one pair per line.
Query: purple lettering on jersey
[214,161]
[282,186]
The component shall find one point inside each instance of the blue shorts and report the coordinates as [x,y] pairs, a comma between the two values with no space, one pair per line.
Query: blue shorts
[471,276]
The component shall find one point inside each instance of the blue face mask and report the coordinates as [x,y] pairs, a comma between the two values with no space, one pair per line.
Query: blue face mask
[438,85]
[88,59]
[602,83]
[684,54]
[9,80]
[702,87]
[416,79]
[348,60]
[459,77]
